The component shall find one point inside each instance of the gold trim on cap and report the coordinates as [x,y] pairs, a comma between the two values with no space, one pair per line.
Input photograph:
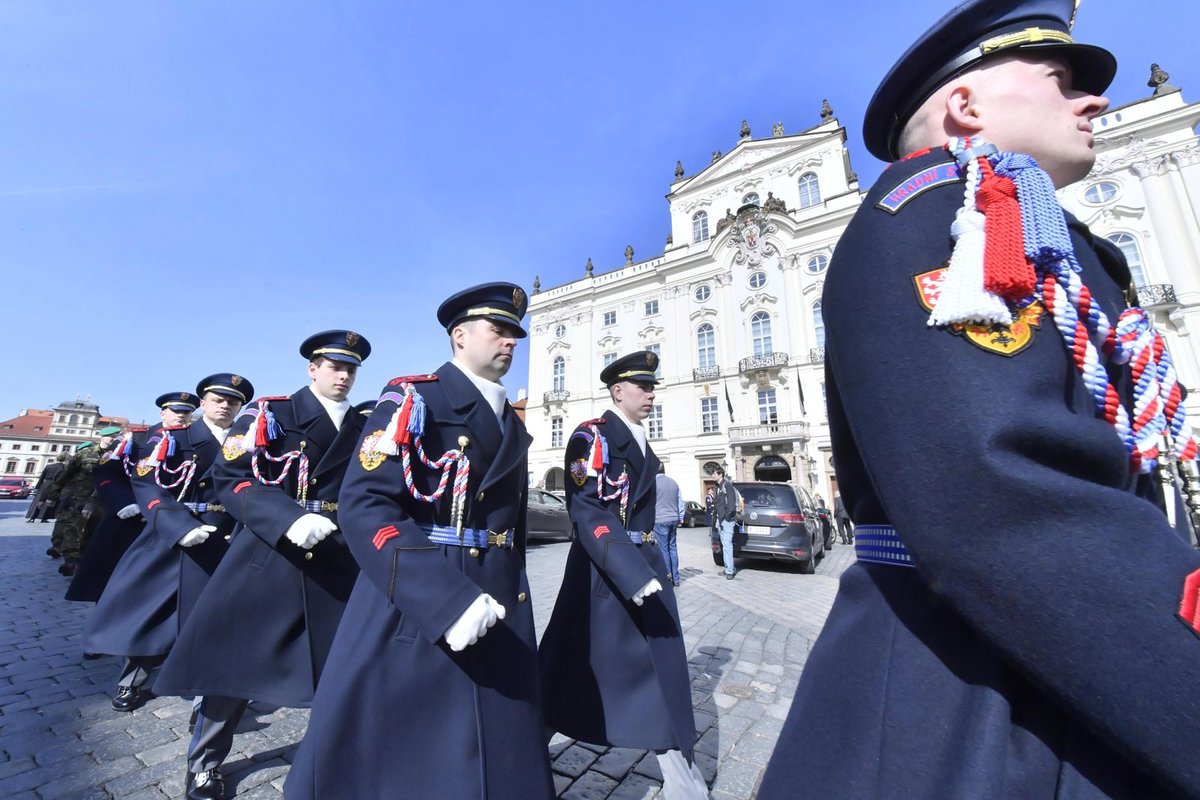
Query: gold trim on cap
[320,351]
[1027,36]
[483,311]
[177,403]
[635,372]
[217,386]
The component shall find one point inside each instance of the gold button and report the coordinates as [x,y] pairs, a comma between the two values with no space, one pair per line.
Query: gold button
[312,482]
[480,497]
[228,537]
[521,597]
[473,552]
[308,556]
[201,484]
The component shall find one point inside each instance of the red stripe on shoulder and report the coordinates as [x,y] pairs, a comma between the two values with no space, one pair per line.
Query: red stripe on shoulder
[426,378]
[384,535]
[152,503]
[242,485]
[600,531]
[1191,600]
[105,483]
[596,421]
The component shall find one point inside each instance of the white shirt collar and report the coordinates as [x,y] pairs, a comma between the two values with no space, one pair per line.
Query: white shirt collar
[636,428]
[219,433]
[336,410]
[493,391]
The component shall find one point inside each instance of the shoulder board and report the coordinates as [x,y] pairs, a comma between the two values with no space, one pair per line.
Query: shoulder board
[272,399]
[425,378]
[596,421]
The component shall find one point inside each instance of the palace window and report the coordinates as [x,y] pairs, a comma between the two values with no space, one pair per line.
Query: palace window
[559,369]
[1133,256]
[818,324]
[699,226]
[709,421]
[706,347]
[760,333]
[810,191]
[556,431]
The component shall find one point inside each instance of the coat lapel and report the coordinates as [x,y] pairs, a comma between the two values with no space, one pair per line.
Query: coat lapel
[477,416]
[513,448]
[312,423]
[339,451]
[645,480]
[202,443]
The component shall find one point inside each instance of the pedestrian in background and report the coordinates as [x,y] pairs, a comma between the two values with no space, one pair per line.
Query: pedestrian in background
[845,529]
[726,502]
[668,513]
[41,507]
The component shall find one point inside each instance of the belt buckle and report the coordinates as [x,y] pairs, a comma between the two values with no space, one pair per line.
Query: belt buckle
[499,539]
[648,538]
[328,506]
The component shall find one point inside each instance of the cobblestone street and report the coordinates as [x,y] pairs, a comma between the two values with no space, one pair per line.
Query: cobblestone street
[747,641]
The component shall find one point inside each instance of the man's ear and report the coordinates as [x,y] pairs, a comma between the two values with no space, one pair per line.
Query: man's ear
[962,108]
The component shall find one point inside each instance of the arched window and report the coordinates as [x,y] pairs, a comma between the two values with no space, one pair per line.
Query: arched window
[818,323]
[74,420]
[760,333]
[706,347]
[751,199]
[1133,256]
[810,192]
[699,226]
[703,292]
[817,263]
[559,374]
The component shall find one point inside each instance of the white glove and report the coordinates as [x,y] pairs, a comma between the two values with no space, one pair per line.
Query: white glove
[474,622]
[310,529]
[128,511]
[197,535]
[647,590]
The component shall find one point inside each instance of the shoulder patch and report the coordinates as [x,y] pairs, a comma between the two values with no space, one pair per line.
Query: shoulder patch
[578,470]
[916,185]
[1005,340]
[233,447]
[368,455]
[426,378]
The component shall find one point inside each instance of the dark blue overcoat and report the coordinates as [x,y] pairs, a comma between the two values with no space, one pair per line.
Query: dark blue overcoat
[157,582]
[1035,650]
[398,714]
[263,627]
[612,672]
[112,536]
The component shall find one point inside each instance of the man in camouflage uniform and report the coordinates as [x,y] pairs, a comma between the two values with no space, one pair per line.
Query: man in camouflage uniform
[79,508]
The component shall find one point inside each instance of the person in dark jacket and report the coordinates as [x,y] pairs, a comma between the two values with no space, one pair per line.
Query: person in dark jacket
[726,504]
[278,475]
[431,689]
[41,508]
[845,529]
[613,663]
[1021,620]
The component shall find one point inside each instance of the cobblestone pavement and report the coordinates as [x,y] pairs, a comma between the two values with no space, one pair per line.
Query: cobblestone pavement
[747,640]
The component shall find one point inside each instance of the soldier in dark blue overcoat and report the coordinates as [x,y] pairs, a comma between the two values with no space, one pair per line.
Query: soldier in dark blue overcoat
[121,524]
[263,627]
[1021,621]
[612,660]
[126,622]
[431,689]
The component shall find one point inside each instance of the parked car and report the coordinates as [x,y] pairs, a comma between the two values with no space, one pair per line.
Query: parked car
[693,514]
[780,522]
[548,516]
[14,488]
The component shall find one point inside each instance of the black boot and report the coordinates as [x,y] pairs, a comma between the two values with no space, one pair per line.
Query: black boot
[67,568]
[53,552]
[208,785]
[127,698]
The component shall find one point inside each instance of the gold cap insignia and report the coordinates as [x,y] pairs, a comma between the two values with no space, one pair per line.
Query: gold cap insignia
[184,396]
[352,338]
[519,300]
[236,380]
[651,359]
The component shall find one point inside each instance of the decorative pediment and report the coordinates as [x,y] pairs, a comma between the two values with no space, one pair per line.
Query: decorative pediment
[750,183]
[608,342]
[558,346]
[1113,216]
[702,313]
[805,165]
[651,333]
[815,287]
[759,299]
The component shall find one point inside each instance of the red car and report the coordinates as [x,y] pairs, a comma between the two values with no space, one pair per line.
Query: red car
[14,488]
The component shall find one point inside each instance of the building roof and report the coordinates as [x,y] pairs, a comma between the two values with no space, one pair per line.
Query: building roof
[32,424]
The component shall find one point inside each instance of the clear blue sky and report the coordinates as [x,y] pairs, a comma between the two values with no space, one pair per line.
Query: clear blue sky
[190,186]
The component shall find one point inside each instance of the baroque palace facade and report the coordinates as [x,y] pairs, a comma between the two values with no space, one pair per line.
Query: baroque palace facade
[733,304]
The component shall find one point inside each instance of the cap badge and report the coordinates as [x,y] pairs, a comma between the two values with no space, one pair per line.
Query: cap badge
[184,396]
[519,300]
[236,380]
[352,338]
[651,359]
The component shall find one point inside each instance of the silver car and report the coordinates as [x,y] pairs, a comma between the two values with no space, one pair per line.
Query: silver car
[548,516]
